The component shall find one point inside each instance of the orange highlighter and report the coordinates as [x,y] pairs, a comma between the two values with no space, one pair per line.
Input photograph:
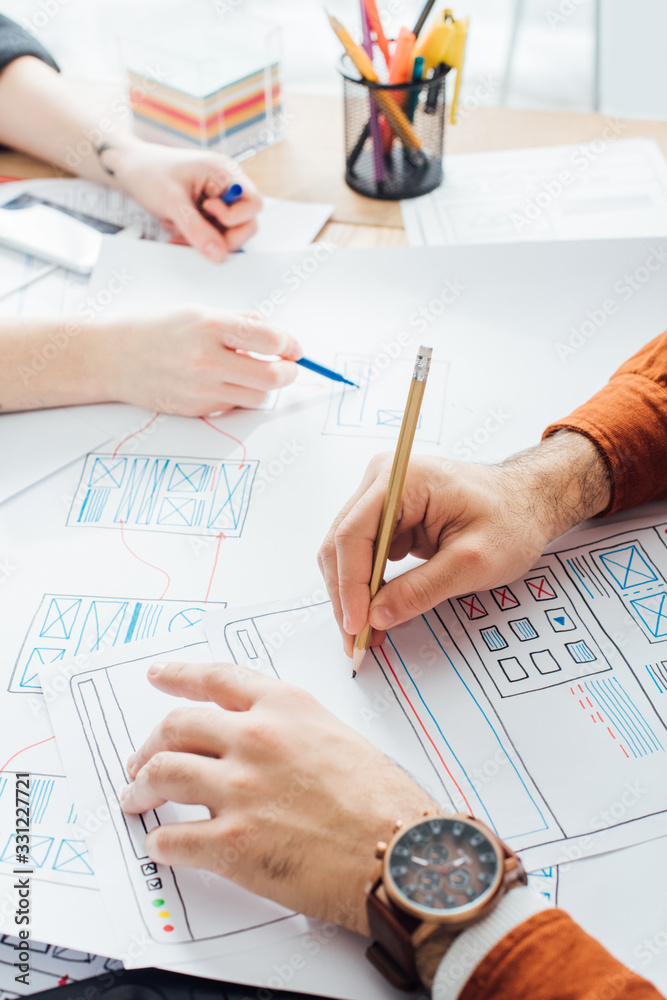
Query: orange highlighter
[400,71]
[377,29]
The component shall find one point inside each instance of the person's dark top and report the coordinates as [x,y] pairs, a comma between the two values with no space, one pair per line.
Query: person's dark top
[15,42]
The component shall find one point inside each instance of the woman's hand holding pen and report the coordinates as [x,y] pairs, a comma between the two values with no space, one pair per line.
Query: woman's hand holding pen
[475,526]
[192,361]
[182,188]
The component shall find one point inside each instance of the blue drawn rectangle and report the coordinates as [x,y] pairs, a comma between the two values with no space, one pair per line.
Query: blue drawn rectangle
[493,638]
[580,652]
[652,611]
[628,567]
[523,629]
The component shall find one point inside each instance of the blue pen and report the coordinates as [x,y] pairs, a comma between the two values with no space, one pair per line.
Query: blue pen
[232,194]
[327,372]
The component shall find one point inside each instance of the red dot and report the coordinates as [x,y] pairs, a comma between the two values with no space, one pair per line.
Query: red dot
[167,927]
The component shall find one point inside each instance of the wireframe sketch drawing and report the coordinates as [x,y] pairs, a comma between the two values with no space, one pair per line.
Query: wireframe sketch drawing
[153,493]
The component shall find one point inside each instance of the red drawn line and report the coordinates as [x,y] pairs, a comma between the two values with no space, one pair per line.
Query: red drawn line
[580,688]
[152,566]
[231,436]
[599,717]
[610,733]
[624,750]
[23,750]
[571,690]
[593,717]
[582,704]
[590,703]
[144,428]
[215,566]
[215,469]
[425,731]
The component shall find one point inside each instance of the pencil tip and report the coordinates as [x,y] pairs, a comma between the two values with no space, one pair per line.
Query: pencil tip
[357,657]
[354,674]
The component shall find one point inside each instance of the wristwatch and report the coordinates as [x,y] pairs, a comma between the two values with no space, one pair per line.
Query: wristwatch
[435,878]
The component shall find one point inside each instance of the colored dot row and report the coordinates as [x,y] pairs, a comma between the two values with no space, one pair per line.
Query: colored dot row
[164,914]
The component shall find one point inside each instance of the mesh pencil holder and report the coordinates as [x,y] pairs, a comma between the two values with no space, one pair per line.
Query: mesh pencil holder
[386,163]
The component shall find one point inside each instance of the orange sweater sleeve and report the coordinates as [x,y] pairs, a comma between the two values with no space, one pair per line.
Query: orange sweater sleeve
[627,421]
[549,957]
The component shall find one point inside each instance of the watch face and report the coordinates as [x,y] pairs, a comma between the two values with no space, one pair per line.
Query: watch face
[443,867]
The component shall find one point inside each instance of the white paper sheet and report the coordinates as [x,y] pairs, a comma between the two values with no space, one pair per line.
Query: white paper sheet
[33,445]
[605,189]
[492,701]
[495,317]
[287,225]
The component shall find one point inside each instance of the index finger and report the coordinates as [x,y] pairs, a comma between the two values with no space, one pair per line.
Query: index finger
[230,216]
[354,539]
[227,684]
[247,331]
[327,556]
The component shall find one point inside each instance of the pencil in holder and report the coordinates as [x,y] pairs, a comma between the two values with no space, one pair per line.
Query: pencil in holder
[394,134]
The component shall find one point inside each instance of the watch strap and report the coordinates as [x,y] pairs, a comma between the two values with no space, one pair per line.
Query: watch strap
[392,951]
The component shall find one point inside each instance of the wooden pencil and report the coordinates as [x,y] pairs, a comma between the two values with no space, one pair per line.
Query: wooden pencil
[394,491]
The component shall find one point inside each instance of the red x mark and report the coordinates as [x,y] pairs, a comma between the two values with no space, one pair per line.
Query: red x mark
[540,588]
[472,606]
[505,598]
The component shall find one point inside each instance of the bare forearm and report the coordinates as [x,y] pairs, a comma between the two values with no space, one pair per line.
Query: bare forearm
[41,115]
[47,363]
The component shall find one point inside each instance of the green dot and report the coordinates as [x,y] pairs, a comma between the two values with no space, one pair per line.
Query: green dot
[158,902]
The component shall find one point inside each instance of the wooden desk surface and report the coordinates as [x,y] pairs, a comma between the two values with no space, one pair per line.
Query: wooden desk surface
[308,164]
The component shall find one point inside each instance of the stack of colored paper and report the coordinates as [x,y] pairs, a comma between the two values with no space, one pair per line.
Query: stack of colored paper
[207,119]
[200,80]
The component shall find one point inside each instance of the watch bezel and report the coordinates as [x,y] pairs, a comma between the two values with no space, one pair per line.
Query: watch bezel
[461,915]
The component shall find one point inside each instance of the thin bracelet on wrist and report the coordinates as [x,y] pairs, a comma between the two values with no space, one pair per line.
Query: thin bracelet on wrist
[100,150]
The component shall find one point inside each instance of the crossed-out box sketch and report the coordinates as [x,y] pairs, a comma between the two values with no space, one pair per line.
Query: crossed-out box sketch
[639,585]
[155,493]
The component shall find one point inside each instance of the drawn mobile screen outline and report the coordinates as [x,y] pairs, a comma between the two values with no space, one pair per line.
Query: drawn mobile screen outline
[242,628]
[369,418]
[95,720]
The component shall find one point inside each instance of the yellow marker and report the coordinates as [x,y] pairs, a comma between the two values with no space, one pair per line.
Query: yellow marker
[446,43]
[433,46]
[386,103]
[164,914]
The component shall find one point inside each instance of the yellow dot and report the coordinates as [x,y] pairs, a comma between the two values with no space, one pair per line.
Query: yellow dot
[164,914]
